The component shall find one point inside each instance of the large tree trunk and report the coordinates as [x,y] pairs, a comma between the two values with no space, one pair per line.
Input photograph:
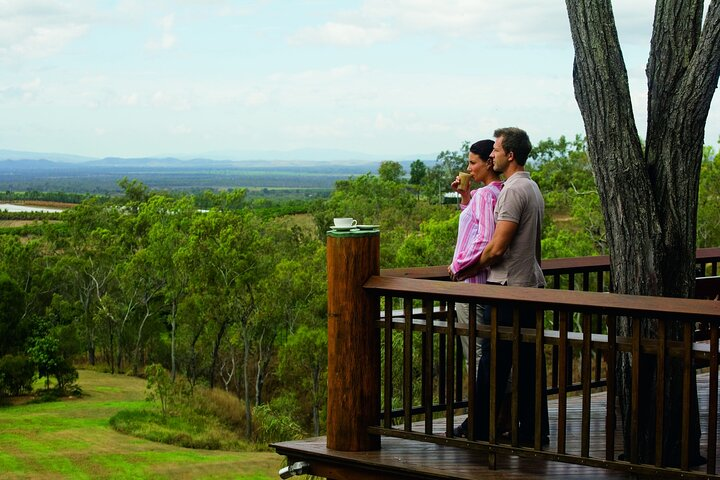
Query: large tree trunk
[649,198]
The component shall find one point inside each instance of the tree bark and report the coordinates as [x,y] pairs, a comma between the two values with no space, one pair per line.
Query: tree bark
[649,197]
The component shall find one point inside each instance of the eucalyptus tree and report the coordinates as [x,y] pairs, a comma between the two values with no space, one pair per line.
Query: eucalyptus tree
[292,294]
[13,331]
[391,171]
[227,250]
[303,363]
[168,256]
[89,249]
[649,195]
[25,262]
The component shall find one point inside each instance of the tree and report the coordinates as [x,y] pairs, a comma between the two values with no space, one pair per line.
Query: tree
[708,201]
[228,252]
[170,222]
[649,195]
[12,331]
[418,172]
[391,171]
[303,360]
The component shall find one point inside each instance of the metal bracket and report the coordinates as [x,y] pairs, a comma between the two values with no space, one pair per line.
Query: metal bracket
[297,468]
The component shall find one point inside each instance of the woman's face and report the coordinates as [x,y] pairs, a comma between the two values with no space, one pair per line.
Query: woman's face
[477,167]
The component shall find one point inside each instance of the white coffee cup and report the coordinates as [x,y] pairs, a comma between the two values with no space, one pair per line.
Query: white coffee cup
[344,222]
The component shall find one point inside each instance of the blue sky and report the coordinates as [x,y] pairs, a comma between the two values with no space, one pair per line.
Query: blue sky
[385,77]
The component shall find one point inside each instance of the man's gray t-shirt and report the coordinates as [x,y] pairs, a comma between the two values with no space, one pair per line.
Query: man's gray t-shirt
[520,202]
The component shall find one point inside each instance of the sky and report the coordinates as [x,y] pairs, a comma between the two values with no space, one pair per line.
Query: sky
[136,78]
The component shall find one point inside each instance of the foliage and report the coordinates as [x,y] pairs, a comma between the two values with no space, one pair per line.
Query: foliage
[61,197]
[708,230]
[160,386]
[303,362]
[418,172]
[441,175]
[274,427]
[5,215]
[17,373]
[201,418]
[573,224]
[390,171]
[181,430]
[432,245]
[12,330]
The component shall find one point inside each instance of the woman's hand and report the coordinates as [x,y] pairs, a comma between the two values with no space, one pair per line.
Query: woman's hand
[464,194]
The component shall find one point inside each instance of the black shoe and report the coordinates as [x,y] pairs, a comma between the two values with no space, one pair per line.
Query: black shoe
[461,430]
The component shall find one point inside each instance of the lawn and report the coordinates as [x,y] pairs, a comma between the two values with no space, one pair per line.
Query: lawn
[73,439]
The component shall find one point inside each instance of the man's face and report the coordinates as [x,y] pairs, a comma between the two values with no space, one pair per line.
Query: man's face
[500,160]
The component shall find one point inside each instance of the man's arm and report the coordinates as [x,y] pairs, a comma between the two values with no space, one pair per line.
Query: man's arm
[504,232]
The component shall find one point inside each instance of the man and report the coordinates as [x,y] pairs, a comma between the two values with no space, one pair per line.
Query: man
[513,255]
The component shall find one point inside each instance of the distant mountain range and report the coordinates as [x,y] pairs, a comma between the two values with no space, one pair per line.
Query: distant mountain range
[221,159]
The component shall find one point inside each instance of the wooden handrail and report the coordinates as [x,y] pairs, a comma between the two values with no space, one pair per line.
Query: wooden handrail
[660,307]
[550,266]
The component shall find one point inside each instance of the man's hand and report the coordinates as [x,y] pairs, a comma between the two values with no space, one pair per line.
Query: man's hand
[468,272]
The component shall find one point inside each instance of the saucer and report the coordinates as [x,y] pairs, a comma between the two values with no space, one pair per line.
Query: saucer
[343,229]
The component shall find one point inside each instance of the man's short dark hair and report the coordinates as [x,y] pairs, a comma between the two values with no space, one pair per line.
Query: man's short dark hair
[482,148]
[517,141]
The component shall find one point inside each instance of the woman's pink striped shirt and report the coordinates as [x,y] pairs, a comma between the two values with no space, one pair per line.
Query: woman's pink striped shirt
[475,229]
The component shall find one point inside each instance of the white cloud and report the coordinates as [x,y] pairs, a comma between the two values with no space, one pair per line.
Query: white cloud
[167,39]
[130,99]
[379,20]
[26,92]
[178,100]
[39,28]
[342,34]
[181,130]
[517,22]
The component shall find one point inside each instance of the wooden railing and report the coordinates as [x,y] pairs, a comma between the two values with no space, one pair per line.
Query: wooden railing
[587,274]
[413,305]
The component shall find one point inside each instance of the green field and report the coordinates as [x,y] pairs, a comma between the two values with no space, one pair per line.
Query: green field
[73,439]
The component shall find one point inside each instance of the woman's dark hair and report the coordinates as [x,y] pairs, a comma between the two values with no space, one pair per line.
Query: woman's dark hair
[483,148]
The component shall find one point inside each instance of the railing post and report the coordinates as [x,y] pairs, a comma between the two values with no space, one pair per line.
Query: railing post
[353,341]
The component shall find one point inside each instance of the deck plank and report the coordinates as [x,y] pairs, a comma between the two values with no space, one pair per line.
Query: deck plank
[402,459]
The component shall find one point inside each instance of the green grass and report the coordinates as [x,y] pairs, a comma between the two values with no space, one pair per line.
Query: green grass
[73,439]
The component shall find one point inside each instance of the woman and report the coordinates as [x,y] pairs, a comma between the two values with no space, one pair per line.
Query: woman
[475,229]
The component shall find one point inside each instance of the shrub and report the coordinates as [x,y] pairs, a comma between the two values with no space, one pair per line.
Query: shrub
[17,373]
[159,386]
[66,375]
[227,407]
[188,429]
[273,427]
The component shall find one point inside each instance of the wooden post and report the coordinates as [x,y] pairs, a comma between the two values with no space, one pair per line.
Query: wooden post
[353,341]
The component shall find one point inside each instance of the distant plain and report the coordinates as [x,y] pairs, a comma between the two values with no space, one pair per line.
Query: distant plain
[177,175]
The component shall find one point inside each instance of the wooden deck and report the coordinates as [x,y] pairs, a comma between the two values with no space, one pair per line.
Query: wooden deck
[402,459]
